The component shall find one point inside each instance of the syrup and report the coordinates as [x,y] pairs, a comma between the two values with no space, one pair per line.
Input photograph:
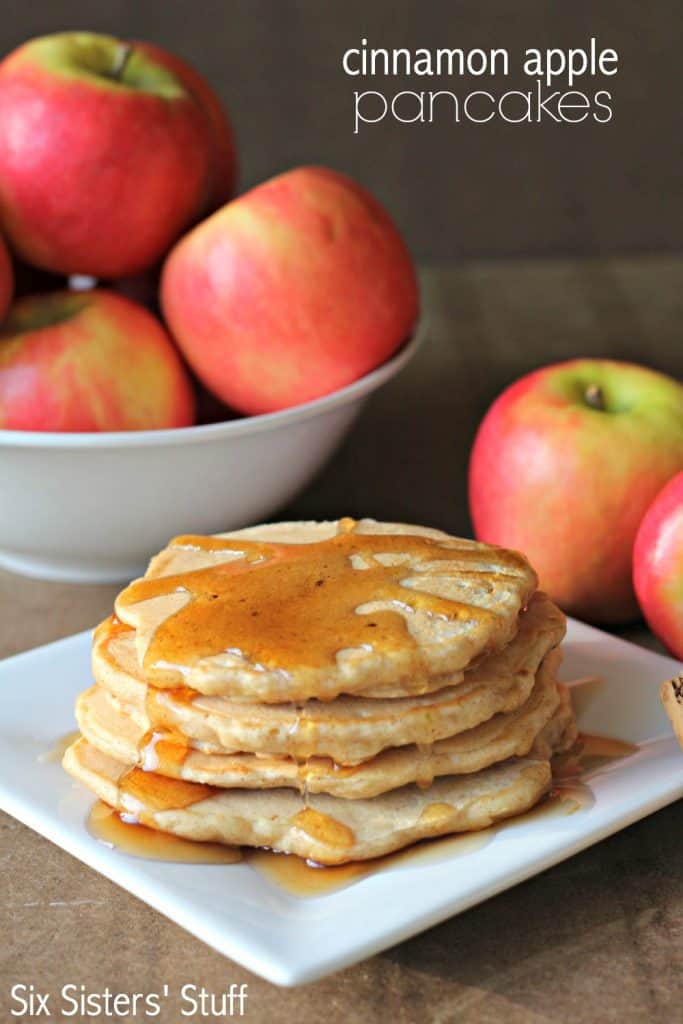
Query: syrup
[287,606]
[56,754]
[425,771]
[324,829]
[163,750]
[591,754]
[308,880]
[563,799]
[150,844]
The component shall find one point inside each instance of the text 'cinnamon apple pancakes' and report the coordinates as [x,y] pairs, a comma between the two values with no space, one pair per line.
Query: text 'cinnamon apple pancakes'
[335,690]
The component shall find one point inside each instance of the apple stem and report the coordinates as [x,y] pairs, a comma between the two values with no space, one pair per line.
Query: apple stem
[595,397]
[123,55]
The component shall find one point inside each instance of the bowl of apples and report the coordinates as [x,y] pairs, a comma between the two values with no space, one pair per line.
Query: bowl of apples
[172,358]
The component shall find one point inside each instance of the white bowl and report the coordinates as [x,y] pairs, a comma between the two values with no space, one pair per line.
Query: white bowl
[94,507]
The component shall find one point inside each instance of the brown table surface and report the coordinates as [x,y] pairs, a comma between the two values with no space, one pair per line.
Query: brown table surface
[597,938]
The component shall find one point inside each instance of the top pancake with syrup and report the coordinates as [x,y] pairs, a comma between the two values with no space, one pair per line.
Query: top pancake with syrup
[297,610]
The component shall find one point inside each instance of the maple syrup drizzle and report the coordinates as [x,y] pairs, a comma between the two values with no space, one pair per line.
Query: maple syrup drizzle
[424,775]
[163,748]
[139,840]
[164,751]
[564,798]
[307,880]
[590,754]
[303,775]
[143,793]
[286,606]
[56,754]
[569,795]
[321,828]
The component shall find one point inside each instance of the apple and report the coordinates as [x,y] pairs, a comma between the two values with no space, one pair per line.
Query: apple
[224,162]
[658,565]
[89,361]
[105,157]
[564,465]
[6,279]
[288,293]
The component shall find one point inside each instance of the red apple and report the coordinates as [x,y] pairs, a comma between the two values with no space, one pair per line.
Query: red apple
[658,565]
[105,157]
[81,361]
[224,164]
[564,466]
[6,279]
[290,292]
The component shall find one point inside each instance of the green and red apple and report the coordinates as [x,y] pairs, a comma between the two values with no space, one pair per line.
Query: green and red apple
[89,361]
[106,156]
[290,292]
[658,565]
[564,466]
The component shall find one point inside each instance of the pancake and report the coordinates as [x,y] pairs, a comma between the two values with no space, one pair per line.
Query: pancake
[561,732]
[348,729]
[115,663]
[260,613]
[115,733]
[328,830]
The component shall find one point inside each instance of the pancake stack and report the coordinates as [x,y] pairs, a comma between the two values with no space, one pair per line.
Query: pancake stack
[334,690]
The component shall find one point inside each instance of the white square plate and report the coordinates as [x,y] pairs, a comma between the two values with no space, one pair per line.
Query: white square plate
[288,939]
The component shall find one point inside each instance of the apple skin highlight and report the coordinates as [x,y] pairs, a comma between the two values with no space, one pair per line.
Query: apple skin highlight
[658,566]
[568,484]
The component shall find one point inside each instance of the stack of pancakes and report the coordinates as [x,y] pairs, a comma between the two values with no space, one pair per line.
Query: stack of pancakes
[335,690]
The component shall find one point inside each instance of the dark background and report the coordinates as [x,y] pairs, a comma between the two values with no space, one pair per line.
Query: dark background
[457,191]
